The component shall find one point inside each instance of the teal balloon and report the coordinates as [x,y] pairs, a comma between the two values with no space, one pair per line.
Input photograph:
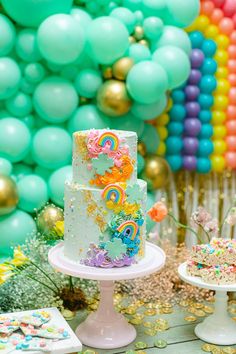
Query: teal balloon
[87,82]
[29,121]
[33,193]
[107,39]
[146,82]
[15,139]
[15,228]
[154,8]
[81,16]
[21,170]
[43,172]
[52,147]
[8,35]
[182,13]
[61,39]
[19,105]
[139,52]
[128,122]
[55,99]
[153,27]
[26,86]
[56,184]
[174,36]
[150,138]
[150,202]
[125,16]
[176,64]
[88,117]
[133,5]
[149,111]
[34,73]
[26,45]
[31,13]
[5,167]
[141,163]
[10,77]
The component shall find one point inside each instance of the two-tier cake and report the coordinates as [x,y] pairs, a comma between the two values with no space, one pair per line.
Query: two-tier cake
[105,204]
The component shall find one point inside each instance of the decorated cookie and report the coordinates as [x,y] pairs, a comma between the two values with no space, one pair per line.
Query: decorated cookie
[9,326]
[36,344]
[37,318]
[50,332]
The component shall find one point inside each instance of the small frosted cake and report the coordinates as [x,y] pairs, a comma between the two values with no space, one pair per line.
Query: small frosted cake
[105,203]
[215,262]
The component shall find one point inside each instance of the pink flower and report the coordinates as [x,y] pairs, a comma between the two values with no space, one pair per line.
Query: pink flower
[201,216]
[158,212]
[231,218]
[212,227]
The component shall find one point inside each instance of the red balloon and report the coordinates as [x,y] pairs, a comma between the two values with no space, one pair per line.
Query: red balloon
[230,158]
[231,112]
[219,3]
[232,96]
[232,51]
[233,37]
[232,79]
[231,127]
[226,26]
[207,7]
[229,8]
[231,142]
[232,66]
[216,16]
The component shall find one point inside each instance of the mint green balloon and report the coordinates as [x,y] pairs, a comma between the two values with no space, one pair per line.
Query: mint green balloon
[15,228]
[176,64]
[52,147]
[133,5]
[87,82]
[29,121]
[34,72]
[150,202]
[175,37]
[43,172]
[88,117]
[141,163]
[125,16]
[10,77]
[139,52]
[19,105]
[15,139]
[26,45]
[55,99]
[181,12]
[29,160]
[81,16]
[154,8]
[33,193]
[21,170]
[61,39]
[107,39]
[8,35]
[146,82]
[153,27]
[56,184]
[26,86]
[5,167]
[31,13]
[69,72]
[149,111]
[128,122]
[150,138]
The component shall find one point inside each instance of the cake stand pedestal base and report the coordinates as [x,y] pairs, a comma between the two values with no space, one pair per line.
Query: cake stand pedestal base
[105,328]
[218,328]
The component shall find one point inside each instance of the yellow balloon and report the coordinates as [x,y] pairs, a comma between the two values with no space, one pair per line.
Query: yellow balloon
[8,195]
[156,172]
[221,102]
[202,22]
[218,163]
[223,87]
[222,41]
[222,72]
[163,132]
[211,31]
[161,149]
[219,131]
[219,147]
[169,105]
[221,57]
[163,120]
[218,117]
[47,218]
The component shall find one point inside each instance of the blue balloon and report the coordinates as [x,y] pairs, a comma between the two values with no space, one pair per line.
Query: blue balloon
[209,66]
[149,111]
[205,147]
[203,165]
[150,138]
[56,184]
[206,131]
[26,45]
[196,38]
[87,82]
[205,100]
[175,162]
[205,116]
[175,128]
[177,112]
[10,77]
[178,96]
[81,16]
[174,145]
[208,84]
[209,47]
[21,170]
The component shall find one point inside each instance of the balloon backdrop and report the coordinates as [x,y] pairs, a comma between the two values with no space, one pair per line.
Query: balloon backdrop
[8,195]
[47,218]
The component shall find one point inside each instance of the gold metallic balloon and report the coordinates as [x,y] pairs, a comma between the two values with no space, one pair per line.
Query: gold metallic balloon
[144,42]
[107,72]
[47,218]
[138,33]
[156,172]
[121,68]
[132,40]
[142,148]
[113,98]
[8,195]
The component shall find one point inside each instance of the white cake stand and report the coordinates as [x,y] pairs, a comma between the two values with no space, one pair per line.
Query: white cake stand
[217,328]
[107,329]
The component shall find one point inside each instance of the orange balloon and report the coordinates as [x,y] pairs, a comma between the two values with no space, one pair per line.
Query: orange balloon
[232,79]
[231,127]
[216,16]
[231,142]
[232,51]
[232,66]
[232,96]
[230,158]
[231,112]
[233,37]
[226,26]
[207,7]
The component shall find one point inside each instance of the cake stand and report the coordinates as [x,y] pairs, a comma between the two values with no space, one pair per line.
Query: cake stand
[107,329]
[217,328]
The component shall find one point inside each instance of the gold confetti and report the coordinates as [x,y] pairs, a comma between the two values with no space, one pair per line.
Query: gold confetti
[160,343]
[141,345]
[208,309]
[139,316]
[135,321]
[184,303]
[198,305]
[190,318]
[150,332]
[216,350]
[130,310]
[148,324]
[200,313]
[167,304]
[207,347]
[229,350]
[150,312]
[167,310]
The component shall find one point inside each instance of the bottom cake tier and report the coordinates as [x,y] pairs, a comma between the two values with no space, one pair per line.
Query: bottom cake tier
[105,228]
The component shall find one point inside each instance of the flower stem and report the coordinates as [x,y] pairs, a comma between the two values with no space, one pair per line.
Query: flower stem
[45,274]
[71,284]
[225,217]
[186,227]
[206,233]
[42,283]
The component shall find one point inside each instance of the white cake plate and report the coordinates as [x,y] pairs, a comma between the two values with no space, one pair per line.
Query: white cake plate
[105,328]
[217,328]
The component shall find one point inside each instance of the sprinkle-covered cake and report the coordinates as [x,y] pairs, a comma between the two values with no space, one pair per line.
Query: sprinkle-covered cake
[105,203]
[214,262]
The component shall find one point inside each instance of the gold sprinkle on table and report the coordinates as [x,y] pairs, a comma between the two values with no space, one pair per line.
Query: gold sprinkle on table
[160,343]
[148,324]
[208,347]
[135,321]
[229,350]
[200,313]
[150,312]
[198,305]
[190,318]
[184,303]
[150,332]
[208,309]
[141,345]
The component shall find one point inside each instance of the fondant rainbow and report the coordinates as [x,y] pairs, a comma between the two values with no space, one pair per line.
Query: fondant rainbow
[114,192]
[110,138]
[128,228]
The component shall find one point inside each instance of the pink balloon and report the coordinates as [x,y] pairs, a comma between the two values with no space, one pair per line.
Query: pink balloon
[207,7]
[232,79]
[232,96]
[232,51]
[231,142]
[226,26]
[231,127]
[216,16]
[233,37]
[232,66]
[230,158]
[231,112]
[229,8]
[219,3]
[234,19]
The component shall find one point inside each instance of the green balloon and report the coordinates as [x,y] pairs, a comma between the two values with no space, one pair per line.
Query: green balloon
[26,45]
[56,184]
[150,202]
[8,35]
[26,86]
[154,8]
[61,39]
[34,73]
[107,39]
[31,13]
[150,138]
[69,72]
[33,193]
[153,27]
[14,229]
[10,77]
[87,82]
[19,105]
[125,16]
[139,52]
[29,121]
[176,64]
[141,163]
[88,117]
[133,5]
[173,36]
[15,139]
[149,111]
[182,13]
[81,16]
[21,170]
[43,172]
[52,147]
[55,99]
[128,122]
[5,167]
[146,82]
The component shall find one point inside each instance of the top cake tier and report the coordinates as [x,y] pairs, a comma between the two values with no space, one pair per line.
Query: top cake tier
[102,157]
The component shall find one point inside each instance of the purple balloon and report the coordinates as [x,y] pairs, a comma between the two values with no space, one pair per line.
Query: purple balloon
[196,58]
[192,126]
[189,163]
[194,77]
[192,109]
[190,145]
[192,92]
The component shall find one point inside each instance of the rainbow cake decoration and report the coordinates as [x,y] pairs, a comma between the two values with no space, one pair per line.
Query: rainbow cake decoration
[214,262]
[105,203]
